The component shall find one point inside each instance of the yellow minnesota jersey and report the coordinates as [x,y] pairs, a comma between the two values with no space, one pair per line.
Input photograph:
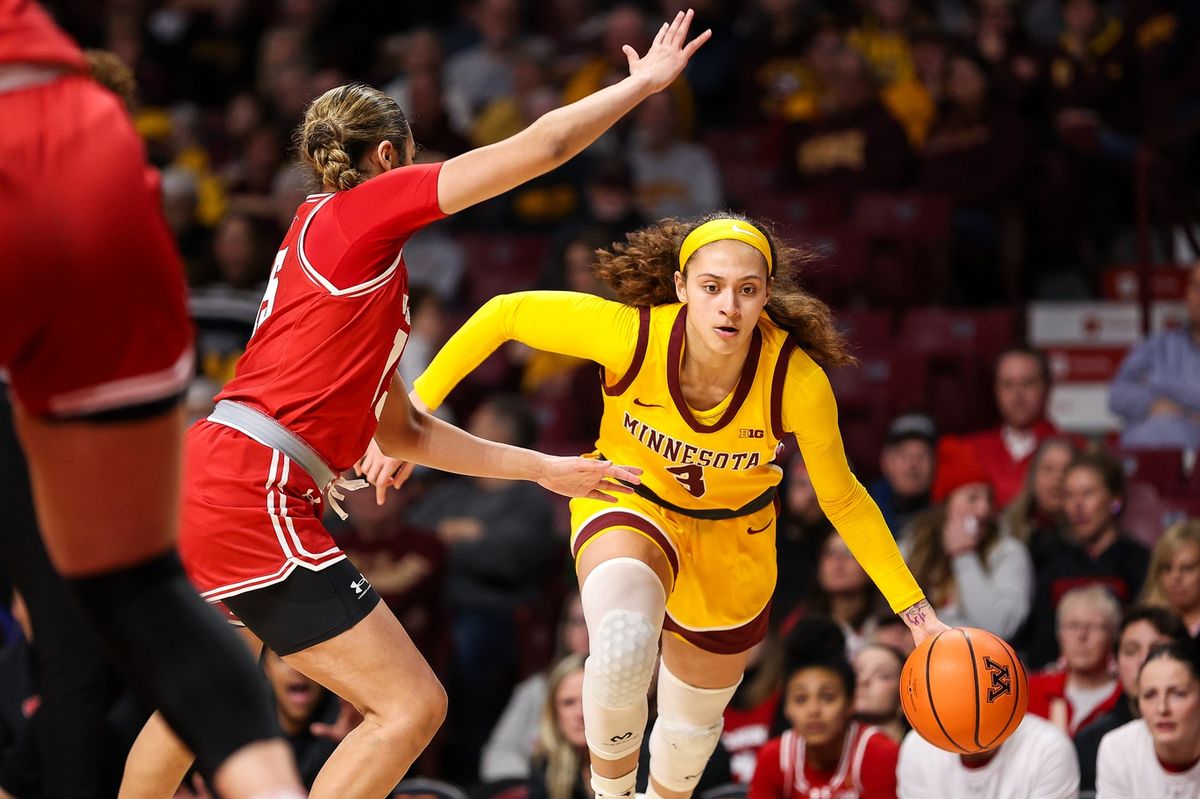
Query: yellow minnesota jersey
[718,462]
[708,465]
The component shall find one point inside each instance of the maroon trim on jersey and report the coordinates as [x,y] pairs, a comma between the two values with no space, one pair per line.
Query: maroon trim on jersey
[618,518]
[675,358]
[724,642]
[639,356]
[777,382]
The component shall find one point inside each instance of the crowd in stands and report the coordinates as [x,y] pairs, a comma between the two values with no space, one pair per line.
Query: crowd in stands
[968,154]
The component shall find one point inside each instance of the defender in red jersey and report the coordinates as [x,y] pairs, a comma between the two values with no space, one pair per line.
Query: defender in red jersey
[318,380]
[97,347]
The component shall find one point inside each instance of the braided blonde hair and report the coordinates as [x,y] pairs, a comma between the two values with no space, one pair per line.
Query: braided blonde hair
[342,126]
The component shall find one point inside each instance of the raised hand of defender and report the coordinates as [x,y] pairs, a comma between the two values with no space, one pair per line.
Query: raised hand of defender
[669,53]
[381,471]
[587,477]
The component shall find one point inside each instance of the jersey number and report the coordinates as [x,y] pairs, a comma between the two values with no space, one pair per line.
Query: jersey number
[691,477]
[268,301]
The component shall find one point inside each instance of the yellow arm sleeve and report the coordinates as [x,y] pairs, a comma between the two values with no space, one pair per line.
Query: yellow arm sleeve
[810,412]
[568,323]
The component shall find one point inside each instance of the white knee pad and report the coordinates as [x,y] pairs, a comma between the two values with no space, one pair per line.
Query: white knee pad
[687,731]
[624,603]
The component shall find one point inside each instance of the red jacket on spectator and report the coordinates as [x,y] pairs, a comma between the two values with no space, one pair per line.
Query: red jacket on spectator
[1049,686]
[867,769]
[1006,473]
[745,732]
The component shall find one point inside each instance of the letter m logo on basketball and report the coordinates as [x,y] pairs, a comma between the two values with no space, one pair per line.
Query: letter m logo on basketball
[1001,679]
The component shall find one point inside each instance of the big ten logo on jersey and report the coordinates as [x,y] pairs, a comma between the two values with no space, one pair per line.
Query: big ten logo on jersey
[268,300]
[751,432]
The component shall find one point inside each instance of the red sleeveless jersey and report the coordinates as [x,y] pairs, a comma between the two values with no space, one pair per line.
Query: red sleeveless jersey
[334,318]
[29,36]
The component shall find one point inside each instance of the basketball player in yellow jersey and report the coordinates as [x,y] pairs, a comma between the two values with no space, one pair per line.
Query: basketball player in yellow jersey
[712,357]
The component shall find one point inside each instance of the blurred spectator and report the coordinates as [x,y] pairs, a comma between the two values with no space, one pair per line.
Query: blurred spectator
[625,24]
[825,752]
[930,53]
[1142,627]
[248,178]
[19,699]
[773,74]
[851,143]
[1084,687]
[483,73]
[180,199]
[609,209]
[500,537]
[672,177]
[416,52]
[1022,383]
[877,691]
[891,631]
[1096,551]
[1037,514]
[1035,761]
[531,97]
[841,592]
[1157,390]
[289,188]
[886,38]
[427,332]
[560,767]
[906,462]
[1173,581]
[406,566]
[974,155]
[1159,755]
[1016,66]
[514,739]
[1091,72]
[801,530]
[307,714]
[974,574]
[753,709]
[433,132]
[573,267]
[225,311]
[436,262]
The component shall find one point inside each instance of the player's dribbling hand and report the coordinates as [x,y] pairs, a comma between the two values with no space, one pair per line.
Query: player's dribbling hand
[587,477]
[381,471]
[669,53]
[922,621]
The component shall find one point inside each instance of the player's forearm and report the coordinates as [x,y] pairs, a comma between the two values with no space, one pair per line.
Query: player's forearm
[431,442]
[563,133]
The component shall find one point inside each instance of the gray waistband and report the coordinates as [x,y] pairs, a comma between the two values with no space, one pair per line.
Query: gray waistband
[270,433]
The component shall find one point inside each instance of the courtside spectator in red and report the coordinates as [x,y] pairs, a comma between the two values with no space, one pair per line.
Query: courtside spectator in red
[1022,383]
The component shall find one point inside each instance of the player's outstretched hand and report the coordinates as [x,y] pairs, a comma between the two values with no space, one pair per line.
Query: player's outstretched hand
[588,477]
[381,471]
[669,53]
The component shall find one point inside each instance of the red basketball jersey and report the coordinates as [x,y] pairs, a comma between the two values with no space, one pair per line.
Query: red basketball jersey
[334,318]
[29,36]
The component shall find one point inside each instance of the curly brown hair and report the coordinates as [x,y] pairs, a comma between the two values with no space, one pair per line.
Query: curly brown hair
[642,269]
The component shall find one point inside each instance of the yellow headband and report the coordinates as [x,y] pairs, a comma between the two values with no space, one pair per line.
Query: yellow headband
[720,230]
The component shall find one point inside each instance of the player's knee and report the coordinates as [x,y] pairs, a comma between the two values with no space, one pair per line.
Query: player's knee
[679,751]
[621,663]
[690,720]
[416,714]
[624,603]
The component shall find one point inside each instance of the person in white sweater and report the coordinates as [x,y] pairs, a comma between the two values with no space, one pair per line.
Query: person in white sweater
[1158,755]
[974,574]
[1036,762]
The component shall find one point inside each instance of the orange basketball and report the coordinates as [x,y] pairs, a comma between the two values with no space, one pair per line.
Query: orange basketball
[964,690]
